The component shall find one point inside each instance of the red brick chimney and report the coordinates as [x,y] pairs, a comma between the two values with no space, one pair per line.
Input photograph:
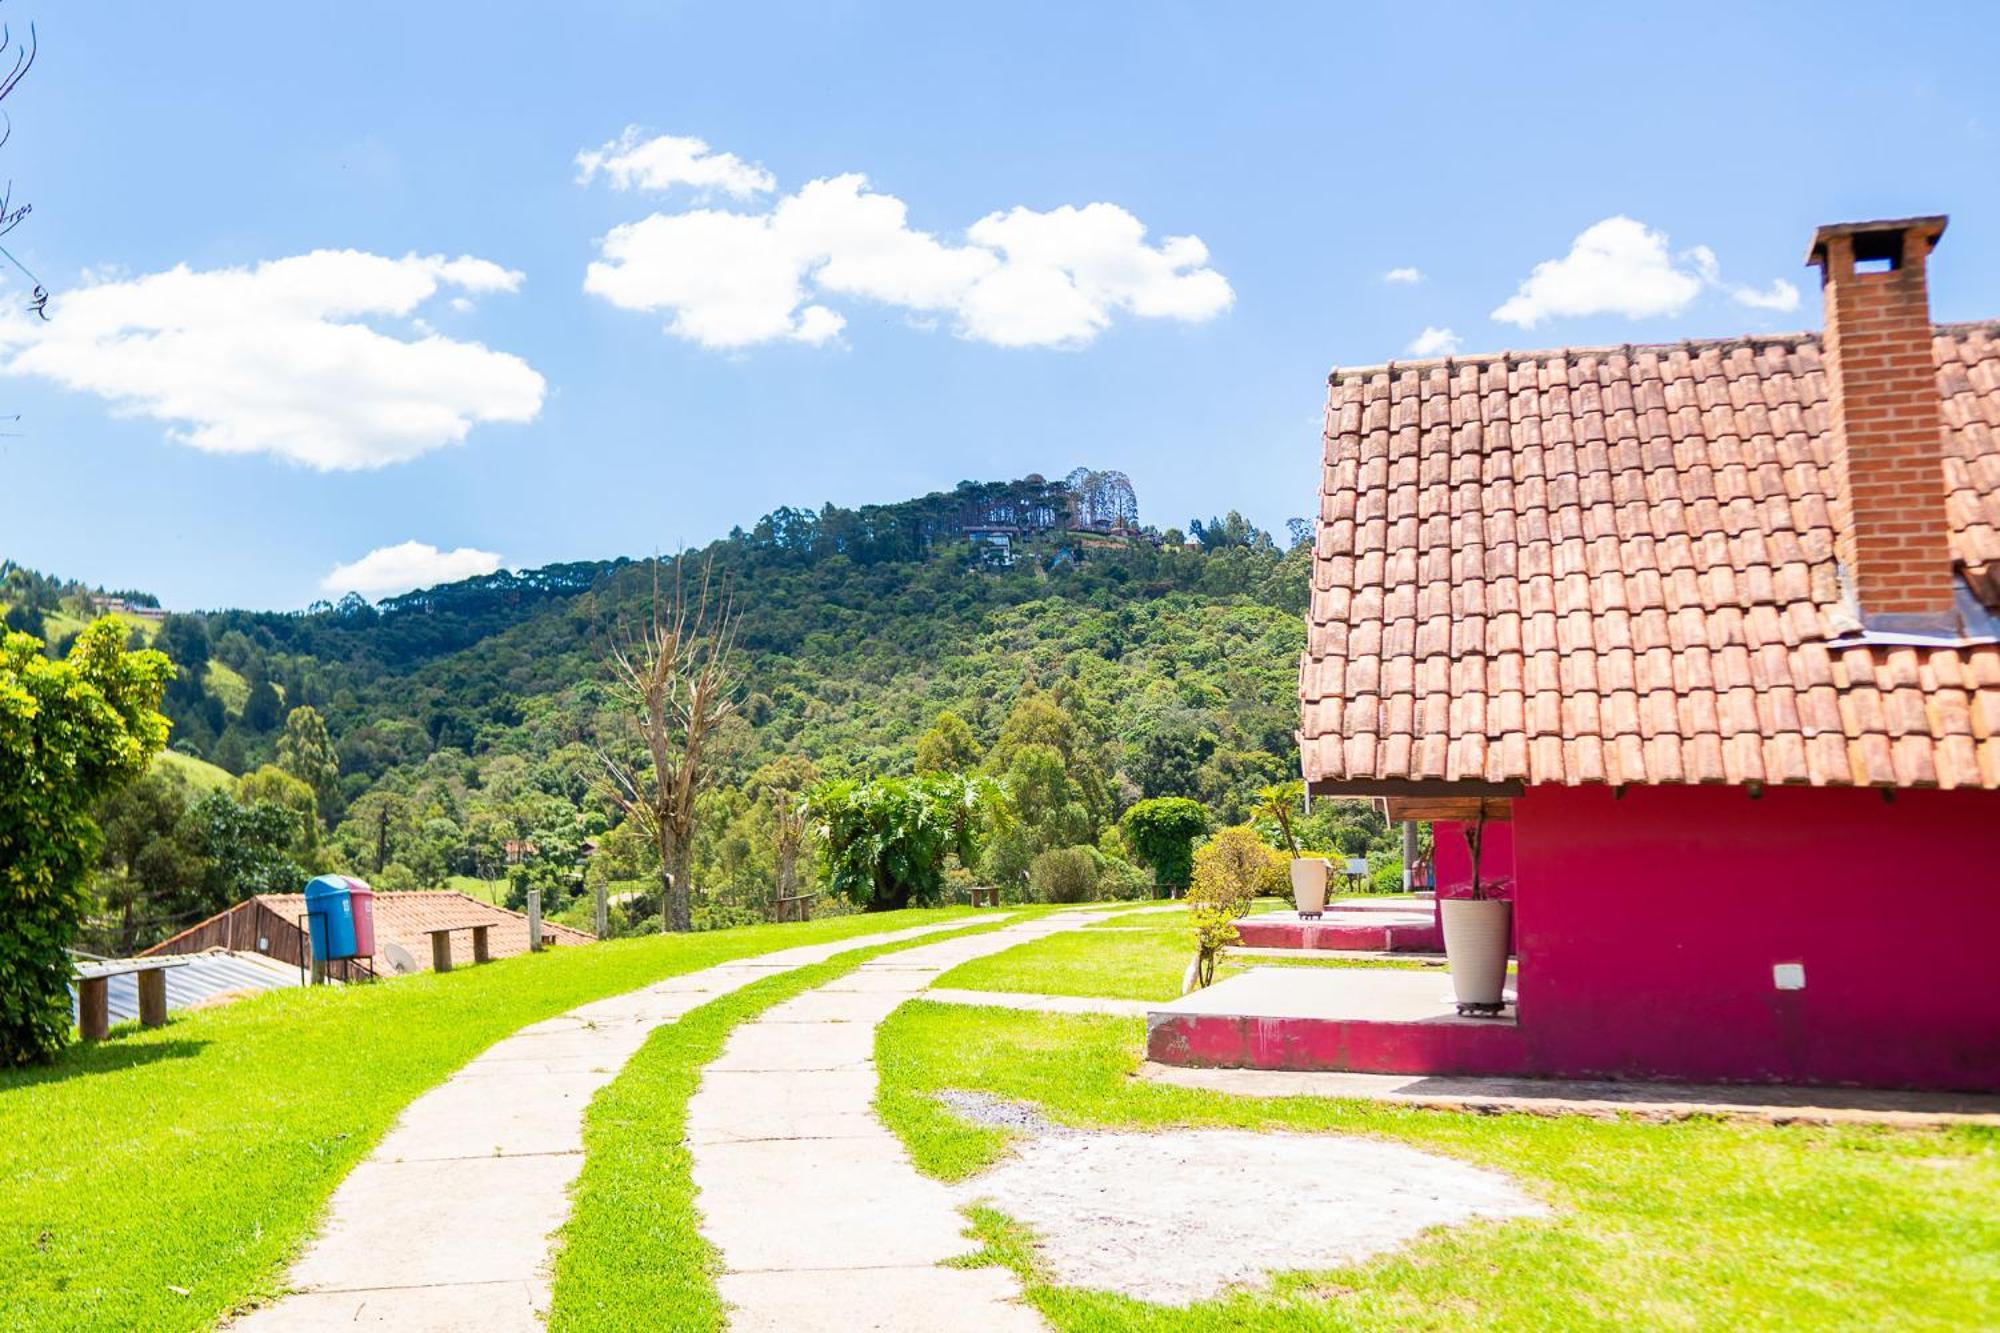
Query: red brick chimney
[1887,451]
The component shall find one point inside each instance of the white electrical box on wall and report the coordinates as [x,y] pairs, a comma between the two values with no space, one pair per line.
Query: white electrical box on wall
[1789,976]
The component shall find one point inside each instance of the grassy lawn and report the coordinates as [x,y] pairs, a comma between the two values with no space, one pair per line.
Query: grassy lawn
[1142,959]
[160,1179]
[631,1253]
[1697,1224]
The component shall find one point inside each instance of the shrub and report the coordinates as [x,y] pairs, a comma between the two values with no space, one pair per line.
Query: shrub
[1161,832]
[885,840]
[1119,878]
[1064,875]
[1230,870]
[72,732]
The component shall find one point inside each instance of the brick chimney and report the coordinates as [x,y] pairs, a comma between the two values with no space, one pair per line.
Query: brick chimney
[1887,453]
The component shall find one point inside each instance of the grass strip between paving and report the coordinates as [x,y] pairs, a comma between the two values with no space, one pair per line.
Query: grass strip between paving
[163,1178]
[632,1254]
[1690,1224]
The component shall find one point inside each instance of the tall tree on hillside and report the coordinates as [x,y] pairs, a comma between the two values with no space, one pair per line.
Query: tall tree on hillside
[781,786]
[306,752]
[948,747]
[675,672]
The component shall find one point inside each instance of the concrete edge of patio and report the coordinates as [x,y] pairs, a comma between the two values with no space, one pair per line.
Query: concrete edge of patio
[1771,1105]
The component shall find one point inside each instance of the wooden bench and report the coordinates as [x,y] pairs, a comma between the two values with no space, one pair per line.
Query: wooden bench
[985,895]
[795,907]
[441,946]
[93,992]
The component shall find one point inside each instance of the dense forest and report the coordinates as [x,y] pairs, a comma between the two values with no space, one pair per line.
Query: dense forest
[1084,662]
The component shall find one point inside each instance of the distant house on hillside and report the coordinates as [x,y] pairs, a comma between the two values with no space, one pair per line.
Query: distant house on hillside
[1710,631]
[273,924]
[118,606]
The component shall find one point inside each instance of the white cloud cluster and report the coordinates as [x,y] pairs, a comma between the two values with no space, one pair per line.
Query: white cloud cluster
[278,359]
[1621,266]
[1021,278]
[1404,277]
[388,570]
[1435,342]
[631,162]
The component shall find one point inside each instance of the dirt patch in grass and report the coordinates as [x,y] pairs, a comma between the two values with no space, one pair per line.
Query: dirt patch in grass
[1178,1216]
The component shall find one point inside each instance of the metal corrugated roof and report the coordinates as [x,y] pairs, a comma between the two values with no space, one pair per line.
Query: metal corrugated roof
[205,976]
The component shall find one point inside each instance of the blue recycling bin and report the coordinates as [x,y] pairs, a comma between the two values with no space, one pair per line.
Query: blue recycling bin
[330,918]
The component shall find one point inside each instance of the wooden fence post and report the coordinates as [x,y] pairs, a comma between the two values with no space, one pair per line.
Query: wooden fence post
[535,920]
[480,952]
[152,996]
[93,1008]
[440,951]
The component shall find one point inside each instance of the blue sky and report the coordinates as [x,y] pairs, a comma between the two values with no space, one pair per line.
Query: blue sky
[219,437]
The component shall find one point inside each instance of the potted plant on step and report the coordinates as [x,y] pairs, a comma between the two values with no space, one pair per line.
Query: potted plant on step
[1476,930]
[1309,873]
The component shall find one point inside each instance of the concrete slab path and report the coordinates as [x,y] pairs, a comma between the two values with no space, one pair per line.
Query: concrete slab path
[821,1221]
[446,1225]
[1663,1101]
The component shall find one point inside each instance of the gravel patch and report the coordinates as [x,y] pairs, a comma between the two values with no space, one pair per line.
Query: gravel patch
[1182,1216]
[981,1108]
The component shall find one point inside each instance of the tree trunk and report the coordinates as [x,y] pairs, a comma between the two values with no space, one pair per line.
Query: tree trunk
[676,912]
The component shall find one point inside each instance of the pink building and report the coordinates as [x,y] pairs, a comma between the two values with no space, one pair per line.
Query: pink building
[1710,628]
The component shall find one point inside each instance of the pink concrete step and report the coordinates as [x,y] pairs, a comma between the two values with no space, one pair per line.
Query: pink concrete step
[1411,930]
[1371,1021]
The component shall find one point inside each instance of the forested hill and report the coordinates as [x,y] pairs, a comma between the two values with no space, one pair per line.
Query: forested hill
[463,715]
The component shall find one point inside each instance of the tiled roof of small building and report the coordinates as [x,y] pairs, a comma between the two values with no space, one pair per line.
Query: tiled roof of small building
[407,918]
[1617,565]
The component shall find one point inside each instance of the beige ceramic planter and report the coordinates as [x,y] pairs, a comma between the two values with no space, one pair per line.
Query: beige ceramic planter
[1475,945]
[1309,884]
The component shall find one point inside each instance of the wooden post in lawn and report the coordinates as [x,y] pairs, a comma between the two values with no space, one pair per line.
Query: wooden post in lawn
[535,920]
[440,951]
[601,918]
[93,1008]
[480,952]
[152,996]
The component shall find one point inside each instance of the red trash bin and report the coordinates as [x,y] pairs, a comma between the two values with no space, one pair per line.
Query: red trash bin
[363,899]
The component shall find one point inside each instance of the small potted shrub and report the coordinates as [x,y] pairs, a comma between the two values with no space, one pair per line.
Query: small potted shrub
[1308,873]
[1476,930]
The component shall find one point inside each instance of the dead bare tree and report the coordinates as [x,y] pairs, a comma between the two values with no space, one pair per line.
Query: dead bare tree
[673,670]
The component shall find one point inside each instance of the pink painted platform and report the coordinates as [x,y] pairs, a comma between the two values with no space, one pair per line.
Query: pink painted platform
[1396,925]
[1364,1020]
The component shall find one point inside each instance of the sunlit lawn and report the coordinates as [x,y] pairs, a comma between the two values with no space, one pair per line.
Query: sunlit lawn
[1695,1224]
[160,1179]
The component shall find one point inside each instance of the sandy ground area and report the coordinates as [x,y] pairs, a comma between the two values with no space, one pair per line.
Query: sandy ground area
[1228,1207]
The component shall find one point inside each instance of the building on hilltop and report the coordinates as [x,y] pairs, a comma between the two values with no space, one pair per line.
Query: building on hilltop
[1711,632]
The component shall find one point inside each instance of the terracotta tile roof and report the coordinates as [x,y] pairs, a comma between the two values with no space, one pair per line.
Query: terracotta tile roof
[407,918]
[1617,565]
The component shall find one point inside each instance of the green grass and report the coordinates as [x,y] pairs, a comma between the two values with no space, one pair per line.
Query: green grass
[631,1254]
[227,684]
[486,890]
[200,774]
[1693,1224]
[1126,962]
[165,1177]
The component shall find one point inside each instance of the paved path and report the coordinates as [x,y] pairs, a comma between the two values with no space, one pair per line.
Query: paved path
[446,1224]
[821,1221]
[1664,1101]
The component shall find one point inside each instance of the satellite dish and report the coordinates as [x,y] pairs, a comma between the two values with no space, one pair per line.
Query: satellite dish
[399,958]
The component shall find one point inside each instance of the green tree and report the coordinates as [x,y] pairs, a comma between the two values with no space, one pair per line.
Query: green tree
[948,747]
[306,752]
[885,841]
[781,786]
[243,849]
[1161,833]
[147,867]
[271,785]
[71,731]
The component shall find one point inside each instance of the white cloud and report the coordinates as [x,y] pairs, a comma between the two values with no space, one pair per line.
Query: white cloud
[388,570]
[1435,342]
[277,359]
[1020,278]
[1621,266]
[667,160]
[1404,276]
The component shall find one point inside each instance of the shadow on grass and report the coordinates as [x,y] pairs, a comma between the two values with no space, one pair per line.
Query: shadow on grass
[100,1057]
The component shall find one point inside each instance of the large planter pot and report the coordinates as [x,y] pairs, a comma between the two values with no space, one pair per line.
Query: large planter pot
[1475,945]
[1309,884]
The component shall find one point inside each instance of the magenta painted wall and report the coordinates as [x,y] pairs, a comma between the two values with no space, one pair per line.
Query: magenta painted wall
[1452,852]
[1647,928]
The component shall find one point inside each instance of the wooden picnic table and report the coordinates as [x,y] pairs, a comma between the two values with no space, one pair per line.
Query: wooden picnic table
[985,895]
[441,946]
[795,907]
[93,991]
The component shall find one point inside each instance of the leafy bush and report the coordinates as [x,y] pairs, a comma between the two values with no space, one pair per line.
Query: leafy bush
[71,732]
[1064,875]
[885,841]
[1161,831]
[1119,878]
[1230,870]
